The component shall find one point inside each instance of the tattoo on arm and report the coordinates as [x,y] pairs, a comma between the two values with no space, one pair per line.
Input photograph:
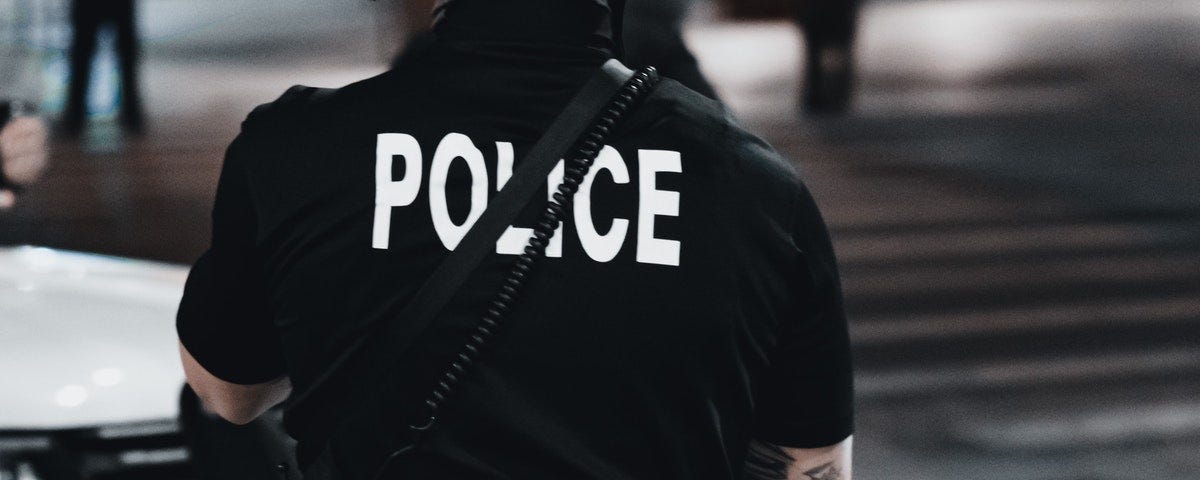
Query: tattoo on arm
[824,472]
[765,461]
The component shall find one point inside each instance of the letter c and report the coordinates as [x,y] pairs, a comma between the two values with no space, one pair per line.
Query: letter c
[601,248]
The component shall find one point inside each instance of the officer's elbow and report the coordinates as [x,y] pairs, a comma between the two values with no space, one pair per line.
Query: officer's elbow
[238,404]
[242,404]
[235,414]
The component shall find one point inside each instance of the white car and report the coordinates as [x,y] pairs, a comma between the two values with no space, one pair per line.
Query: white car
[89,372]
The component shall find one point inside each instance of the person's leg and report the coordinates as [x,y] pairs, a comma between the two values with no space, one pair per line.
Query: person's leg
[829,29]
[125,21]
[85,23]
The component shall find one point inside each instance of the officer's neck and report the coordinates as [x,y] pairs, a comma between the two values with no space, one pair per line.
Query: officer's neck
[587,27]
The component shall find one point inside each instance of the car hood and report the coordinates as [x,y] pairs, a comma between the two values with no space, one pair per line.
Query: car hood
[86,340]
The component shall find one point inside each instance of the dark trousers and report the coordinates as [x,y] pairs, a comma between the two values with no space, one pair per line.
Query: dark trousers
[87,17]
[829,28]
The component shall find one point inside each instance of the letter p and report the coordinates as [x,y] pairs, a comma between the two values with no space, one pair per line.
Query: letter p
[390,193]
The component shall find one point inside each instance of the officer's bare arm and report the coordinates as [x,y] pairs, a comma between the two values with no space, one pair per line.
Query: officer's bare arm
[239,404]
[23,154]
[772,462]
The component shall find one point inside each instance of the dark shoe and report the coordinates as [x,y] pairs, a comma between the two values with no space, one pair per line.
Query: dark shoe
[72,124]
[829,80]
[133,121]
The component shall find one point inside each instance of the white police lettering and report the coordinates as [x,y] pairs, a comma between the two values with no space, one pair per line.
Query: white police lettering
[601,248]
[455,146]
[390,193]
[514,239]
[653,203]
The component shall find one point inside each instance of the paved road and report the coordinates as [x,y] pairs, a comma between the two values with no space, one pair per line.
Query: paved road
[1012,199]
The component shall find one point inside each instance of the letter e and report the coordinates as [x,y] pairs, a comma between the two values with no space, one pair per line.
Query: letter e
[654,203]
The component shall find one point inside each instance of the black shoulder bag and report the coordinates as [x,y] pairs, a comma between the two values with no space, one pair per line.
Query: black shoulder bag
[359,449]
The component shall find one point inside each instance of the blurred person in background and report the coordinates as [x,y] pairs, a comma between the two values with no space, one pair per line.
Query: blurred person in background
[87,19]
[702,336]
[829,28]
[23,152]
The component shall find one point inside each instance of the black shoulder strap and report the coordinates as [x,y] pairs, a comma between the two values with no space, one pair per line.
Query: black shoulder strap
[399,332]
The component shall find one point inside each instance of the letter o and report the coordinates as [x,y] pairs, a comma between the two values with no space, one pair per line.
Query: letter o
[455,146]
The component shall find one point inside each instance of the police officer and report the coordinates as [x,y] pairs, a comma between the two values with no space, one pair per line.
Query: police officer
[686,322]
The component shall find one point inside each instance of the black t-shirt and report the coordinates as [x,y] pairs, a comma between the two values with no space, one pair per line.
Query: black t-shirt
[692,304]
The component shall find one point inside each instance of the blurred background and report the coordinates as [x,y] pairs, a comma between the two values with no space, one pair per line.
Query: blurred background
[1012,188]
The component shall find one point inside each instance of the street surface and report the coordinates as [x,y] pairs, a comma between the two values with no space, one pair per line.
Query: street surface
[1014,203]
[1013,199]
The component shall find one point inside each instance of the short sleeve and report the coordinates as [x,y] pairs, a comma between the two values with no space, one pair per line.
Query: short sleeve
[807,396]
[224,319]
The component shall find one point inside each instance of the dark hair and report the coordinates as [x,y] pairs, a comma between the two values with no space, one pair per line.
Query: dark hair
[590,22]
